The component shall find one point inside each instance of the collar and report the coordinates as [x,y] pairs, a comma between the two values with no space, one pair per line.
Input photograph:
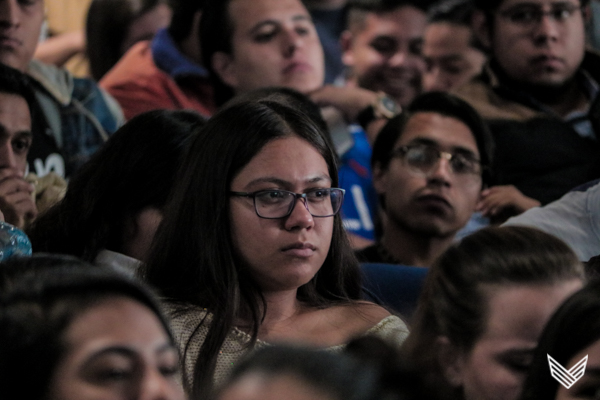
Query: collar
[58,82]
[118,261]
[168,58]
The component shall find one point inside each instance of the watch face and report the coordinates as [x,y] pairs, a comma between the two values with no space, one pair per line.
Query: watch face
[389,108]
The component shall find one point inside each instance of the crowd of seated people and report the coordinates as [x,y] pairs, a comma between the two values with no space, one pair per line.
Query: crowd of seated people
[261,199]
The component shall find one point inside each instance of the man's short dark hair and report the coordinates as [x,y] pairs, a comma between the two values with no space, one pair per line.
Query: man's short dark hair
[383,6]
[13,81]
[183,17]
[455,12]
[489,6]
[444,104]
[358,9]
[458,12]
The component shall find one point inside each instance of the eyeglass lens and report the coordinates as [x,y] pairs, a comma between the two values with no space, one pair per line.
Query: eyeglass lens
[280,203]
[425,158]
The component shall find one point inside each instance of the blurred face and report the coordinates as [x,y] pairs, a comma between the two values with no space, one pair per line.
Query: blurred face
[283,253]
[449,56]
[146,25]
[587,387]
[438,203]
[496,366]
[385,55]
[257,386]
[15,133]
[274,43]
[544,51]
[117,350]
[20,24]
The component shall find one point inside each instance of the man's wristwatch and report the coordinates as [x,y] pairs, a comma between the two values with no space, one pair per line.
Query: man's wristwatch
[383,107]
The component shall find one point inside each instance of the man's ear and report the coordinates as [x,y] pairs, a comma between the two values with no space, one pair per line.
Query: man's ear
[450,359]
[346,45]
[223,65]
[380,178]
[481,28]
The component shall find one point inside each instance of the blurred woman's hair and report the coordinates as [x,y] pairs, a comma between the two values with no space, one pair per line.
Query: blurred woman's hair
[40,297]
[135,169]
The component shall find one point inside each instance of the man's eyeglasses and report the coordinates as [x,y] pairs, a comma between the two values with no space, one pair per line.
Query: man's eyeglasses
[528,15]
[423,159]
[275,203]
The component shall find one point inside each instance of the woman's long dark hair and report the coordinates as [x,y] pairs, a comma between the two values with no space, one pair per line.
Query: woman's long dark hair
[135,169]
[194,260]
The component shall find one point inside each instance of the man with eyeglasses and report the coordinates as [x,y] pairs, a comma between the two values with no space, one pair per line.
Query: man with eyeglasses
[539,94]
[430,164]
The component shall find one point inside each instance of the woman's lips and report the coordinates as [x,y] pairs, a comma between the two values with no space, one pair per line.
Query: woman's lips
[296,67]
[9,41]
[300,249]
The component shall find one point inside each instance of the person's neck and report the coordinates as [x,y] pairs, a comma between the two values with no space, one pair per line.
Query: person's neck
[563,99]
[190,46]
[413,249]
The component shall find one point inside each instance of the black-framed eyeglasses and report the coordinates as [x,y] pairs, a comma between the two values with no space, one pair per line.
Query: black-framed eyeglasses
[527,15]
[277,203]
[424,158]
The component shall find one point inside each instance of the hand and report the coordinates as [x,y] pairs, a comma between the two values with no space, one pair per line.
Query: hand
[16,199]
[497,198]
[349,100]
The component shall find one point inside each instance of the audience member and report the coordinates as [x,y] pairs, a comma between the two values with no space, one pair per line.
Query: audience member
[429,166]
[329,17]
[115,203]
[452,53]
[76,332]
[574,218]
[571,335]
[483,308]
[16,194]
[382,47]
[167,72]
[251,44]
[73,117]
[261,256]
[113,26]
[278,372]
[538,95]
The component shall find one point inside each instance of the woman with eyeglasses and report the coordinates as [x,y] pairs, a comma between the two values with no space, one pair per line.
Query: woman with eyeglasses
[252,249]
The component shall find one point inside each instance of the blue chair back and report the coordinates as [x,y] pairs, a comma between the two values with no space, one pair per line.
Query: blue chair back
[393,286]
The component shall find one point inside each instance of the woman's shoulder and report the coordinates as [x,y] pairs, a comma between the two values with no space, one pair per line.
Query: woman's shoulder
[364,318]
[185,318]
